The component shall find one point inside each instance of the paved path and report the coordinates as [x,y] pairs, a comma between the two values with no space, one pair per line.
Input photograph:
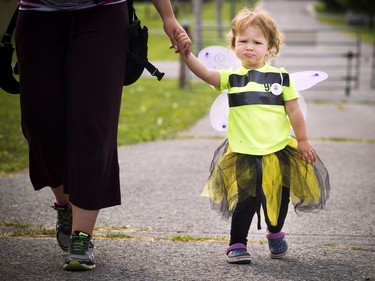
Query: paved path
[161,186]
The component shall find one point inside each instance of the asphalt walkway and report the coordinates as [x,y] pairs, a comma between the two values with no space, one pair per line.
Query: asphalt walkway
[161,186]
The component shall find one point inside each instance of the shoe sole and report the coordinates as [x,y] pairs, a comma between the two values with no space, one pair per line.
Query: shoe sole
[239,260]
[75,265]
[278,256]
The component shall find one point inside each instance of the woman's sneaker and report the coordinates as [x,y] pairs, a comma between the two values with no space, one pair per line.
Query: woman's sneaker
[63,225]
[277,245]
[238,254]
[81,252]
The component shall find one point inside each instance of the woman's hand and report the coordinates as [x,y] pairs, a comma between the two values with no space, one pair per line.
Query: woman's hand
[170,28]
[183,41]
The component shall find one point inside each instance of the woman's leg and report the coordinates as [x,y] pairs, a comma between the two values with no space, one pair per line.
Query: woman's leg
[61,197]
[84,220]
[42,93]
[95,70]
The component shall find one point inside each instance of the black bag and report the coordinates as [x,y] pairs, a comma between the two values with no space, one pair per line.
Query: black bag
[7,81]
[137,59]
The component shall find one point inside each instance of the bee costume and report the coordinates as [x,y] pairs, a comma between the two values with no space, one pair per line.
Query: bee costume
[258,164]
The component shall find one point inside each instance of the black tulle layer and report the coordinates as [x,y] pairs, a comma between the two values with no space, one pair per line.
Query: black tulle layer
[234,177]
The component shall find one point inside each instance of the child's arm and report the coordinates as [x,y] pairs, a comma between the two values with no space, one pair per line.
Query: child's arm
[210,76]
[305,150]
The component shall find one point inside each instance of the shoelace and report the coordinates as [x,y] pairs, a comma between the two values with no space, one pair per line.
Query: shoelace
[79,245]
[64,219]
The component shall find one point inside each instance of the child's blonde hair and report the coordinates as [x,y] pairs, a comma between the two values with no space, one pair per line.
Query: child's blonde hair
[264,21]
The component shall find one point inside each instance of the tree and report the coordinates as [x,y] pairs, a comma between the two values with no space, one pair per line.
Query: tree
[367,7]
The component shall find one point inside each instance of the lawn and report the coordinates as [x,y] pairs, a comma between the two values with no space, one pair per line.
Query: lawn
[151,110]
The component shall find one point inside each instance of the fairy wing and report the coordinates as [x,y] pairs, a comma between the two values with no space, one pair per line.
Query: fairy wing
[304,80]
[218,57]
[219,112]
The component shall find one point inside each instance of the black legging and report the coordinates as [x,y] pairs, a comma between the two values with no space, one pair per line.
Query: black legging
[245,210]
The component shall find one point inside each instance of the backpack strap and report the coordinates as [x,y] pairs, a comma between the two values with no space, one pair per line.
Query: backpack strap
[149,66]
[131,11]
[142,61]
[7,36]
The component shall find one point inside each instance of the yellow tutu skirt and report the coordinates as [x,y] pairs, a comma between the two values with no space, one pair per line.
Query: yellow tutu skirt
[233,174]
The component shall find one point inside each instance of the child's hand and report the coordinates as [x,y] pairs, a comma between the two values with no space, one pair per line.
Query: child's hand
[183,41]
[306,152]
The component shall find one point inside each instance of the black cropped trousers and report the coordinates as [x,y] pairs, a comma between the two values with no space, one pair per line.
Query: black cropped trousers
[72,66]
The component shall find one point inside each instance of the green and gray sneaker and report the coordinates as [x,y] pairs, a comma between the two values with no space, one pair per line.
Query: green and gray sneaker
[63,225]
[81,252]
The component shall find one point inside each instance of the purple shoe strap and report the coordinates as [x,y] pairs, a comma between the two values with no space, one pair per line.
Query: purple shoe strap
[277,235]
[236,246]
[57,203]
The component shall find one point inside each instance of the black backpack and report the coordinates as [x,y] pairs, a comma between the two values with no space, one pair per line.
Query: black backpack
[7,81]
[137,59]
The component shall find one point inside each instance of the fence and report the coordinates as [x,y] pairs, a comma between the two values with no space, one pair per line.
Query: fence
[329,50]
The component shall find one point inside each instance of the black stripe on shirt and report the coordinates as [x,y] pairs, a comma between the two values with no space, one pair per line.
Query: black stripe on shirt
[237,80]
[247,98]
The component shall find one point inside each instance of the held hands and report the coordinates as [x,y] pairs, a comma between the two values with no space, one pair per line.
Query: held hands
[170,29]
[183,42]
[306,152]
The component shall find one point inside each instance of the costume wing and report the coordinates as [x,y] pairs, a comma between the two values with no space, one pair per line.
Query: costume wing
[304,80]
[217,57]
[219,112]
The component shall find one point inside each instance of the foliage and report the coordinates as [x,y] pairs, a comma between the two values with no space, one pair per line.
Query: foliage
[361,7]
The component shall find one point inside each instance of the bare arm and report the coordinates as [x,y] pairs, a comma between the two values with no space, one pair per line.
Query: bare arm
[305,150]
[210,76]
[170,24]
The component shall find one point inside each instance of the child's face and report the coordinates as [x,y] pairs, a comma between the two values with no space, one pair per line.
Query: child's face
[252,47]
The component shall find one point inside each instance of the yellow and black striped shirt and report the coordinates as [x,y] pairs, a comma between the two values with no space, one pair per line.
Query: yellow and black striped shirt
[257,121]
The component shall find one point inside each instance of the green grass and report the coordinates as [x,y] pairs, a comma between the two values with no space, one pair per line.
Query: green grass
[346,247]
[151,110]
[13,146]
[188,238]
[338,20]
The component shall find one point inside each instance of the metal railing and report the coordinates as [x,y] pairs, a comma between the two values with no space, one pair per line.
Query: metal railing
[329,50]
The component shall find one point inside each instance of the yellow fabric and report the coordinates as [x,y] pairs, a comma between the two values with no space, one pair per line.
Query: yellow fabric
[272,186]
[229,177]
[235,174]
